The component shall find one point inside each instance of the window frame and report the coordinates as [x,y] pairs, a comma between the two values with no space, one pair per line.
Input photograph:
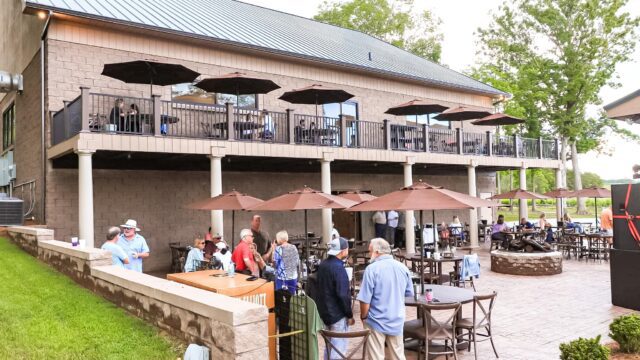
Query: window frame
[9,126]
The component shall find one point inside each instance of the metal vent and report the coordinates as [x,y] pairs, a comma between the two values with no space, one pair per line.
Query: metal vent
[11,211]
[10,82]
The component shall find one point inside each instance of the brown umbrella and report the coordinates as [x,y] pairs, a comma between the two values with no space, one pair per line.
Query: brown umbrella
[232,200]
[422,196]
[462,113]
[237,83]
[358,197]
[416,107]
[304,199]
[497,120]
[316,94]
[595,193]
[519,194]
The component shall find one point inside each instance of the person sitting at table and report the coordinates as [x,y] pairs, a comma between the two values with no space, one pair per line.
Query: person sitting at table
[498,231]
[286,261]
[210,245]
[269,130]
[456,228]
[314,134]
[118,114]
[546,227]
[525,225]
[223,255]
[569,224]
[243,256]
[299,132]
[133,118]
[195,255]
[443,231]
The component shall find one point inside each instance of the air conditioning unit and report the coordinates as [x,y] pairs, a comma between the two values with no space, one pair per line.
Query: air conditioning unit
[11,210]
[11,171]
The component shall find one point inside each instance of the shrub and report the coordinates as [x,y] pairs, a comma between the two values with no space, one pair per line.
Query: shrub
[626,331]
[584,349]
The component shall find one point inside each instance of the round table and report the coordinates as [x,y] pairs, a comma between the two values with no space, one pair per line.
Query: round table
[444,294]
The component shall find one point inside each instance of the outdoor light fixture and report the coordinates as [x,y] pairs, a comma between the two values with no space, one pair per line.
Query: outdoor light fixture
[42,15]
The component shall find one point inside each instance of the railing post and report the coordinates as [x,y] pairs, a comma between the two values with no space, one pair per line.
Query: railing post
[459,141]
[292,127]
[343,131]
[65,117]
[231,133]
[515,145]
[489,144]
[85,103]
[557,149]
[387,134]
[157,112]
[425,141]
[540,152]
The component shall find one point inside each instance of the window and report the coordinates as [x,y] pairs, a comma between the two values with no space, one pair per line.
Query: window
[188,93]
[9,127]
[429,120]
[348,109]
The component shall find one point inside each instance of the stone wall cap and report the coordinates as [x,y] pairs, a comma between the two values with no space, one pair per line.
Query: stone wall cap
[222,308]
[30,230]
[525,254]
[87,253]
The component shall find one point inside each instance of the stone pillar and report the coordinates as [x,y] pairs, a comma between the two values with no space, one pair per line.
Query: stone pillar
[523,186]
[85,196]
[325,173]
[215,159]
[559,202]
[409,234]
[473,213]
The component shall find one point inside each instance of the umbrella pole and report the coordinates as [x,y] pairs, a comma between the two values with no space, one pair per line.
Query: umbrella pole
[233,230]
[421,254]
[595,202]
[435,242]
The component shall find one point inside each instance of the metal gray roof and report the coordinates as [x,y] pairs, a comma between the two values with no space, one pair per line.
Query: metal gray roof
[247,25]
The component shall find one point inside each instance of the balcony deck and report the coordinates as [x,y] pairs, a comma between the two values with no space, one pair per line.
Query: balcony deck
[95,113]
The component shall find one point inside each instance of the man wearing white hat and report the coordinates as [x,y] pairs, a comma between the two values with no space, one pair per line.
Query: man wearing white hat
[134,245]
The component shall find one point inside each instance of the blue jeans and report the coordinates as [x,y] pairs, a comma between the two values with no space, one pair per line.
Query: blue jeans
[340,344]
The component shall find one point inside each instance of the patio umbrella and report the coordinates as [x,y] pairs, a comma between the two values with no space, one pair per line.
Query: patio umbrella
[462,113]
[149,72]
[595,193]
[417,107]
[316,94]
[233,201]
[422,196]
[237,83]
[498,120]
[519,194]
[304,199]
[358,197]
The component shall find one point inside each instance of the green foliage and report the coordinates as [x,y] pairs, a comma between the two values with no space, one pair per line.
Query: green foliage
[45,315]
[392,22]
[626,331]
[584,349]
[589,179]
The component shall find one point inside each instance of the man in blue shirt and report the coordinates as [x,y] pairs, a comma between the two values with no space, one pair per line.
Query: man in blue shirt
[118,256]
[134,245]
[385,285]
[334,295]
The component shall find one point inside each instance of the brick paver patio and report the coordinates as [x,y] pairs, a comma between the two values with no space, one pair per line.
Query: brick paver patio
[533,315]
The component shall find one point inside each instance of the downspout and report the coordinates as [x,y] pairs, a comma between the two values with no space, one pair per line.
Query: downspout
[43,116]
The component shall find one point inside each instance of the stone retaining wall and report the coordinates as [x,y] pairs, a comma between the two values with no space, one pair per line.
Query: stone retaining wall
[529,264]
[231,328]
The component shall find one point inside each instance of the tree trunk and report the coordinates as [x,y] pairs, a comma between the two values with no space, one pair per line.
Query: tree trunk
[533,188]
[563,157]
[577,179]
[498,182]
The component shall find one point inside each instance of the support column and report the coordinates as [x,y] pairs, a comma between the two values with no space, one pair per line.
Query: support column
[325,173]
[215,160]
[409,223]
[523,186]
[473,213]
[85,196]
[559,202]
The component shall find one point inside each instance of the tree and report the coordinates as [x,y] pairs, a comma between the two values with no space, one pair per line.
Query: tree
[589,179]
[393,22]
[554,56]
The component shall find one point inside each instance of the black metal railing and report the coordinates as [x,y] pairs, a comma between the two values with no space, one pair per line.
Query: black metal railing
[530,148]
[550,149]
[316,130]
[474,144]
[443,141]
[408,138]
[364,134]
[193,120]
[261,125]
[503,145]
[120,114]
[67,122]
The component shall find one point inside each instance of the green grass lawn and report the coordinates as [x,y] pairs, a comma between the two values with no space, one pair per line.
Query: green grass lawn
[45,315]
[549,210]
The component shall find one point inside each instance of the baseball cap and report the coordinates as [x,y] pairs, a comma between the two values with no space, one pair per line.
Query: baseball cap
[337,245]
[221,245]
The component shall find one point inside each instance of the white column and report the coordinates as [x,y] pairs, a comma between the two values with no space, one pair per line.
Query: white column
[409,234]
[217,225]
[559,202]
[473,213]
[523,186]
[325,173]
[85,196]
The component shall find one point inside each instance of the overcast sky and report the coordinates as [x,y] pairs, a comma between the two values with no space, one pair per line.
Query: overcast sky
[460,19]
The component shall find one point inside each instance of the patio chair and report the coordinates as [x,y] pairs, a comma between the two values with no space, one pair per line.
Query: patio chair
[427,270]
[481,320]
[429,329]
[469,269]
[350,355]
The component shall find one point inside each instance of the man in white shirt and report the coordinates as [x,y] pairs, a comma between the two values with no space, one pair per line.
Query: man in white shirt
[380,223]
[392,224]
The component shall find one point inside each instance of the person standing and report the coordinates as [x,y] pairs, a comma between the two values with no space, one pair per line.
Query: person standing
[334,294]
[392,224]
[261,238]
[606,221]
[380,223]
[243,256]
[134,244]
[385,285]
[286,261]
[118,256]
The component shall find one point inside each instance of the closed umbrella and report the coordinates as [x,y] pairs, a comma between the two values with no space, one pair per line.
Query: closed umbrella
[304,199]
[150,72]
[422,196]
[316,94]
[232,200]
[595,193]
[237,83]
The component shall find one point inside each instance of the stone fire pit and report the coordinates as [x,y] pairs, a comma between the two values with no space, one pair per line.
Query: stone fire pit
[529,264]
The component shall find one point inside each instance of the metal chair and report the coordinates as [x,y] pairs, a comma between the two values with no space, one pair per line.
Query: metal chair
[328,335]
[429,328]
[481,320]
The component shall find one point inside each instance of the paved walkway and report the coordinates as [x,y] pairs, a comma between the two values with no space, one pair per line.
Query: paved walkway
[533,315]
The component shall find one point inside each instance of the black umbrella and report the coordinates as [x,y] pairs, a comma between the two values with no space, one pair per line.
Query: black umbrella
[237,83]
[316,94]
[150,72]
[497,120]
[417,107]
